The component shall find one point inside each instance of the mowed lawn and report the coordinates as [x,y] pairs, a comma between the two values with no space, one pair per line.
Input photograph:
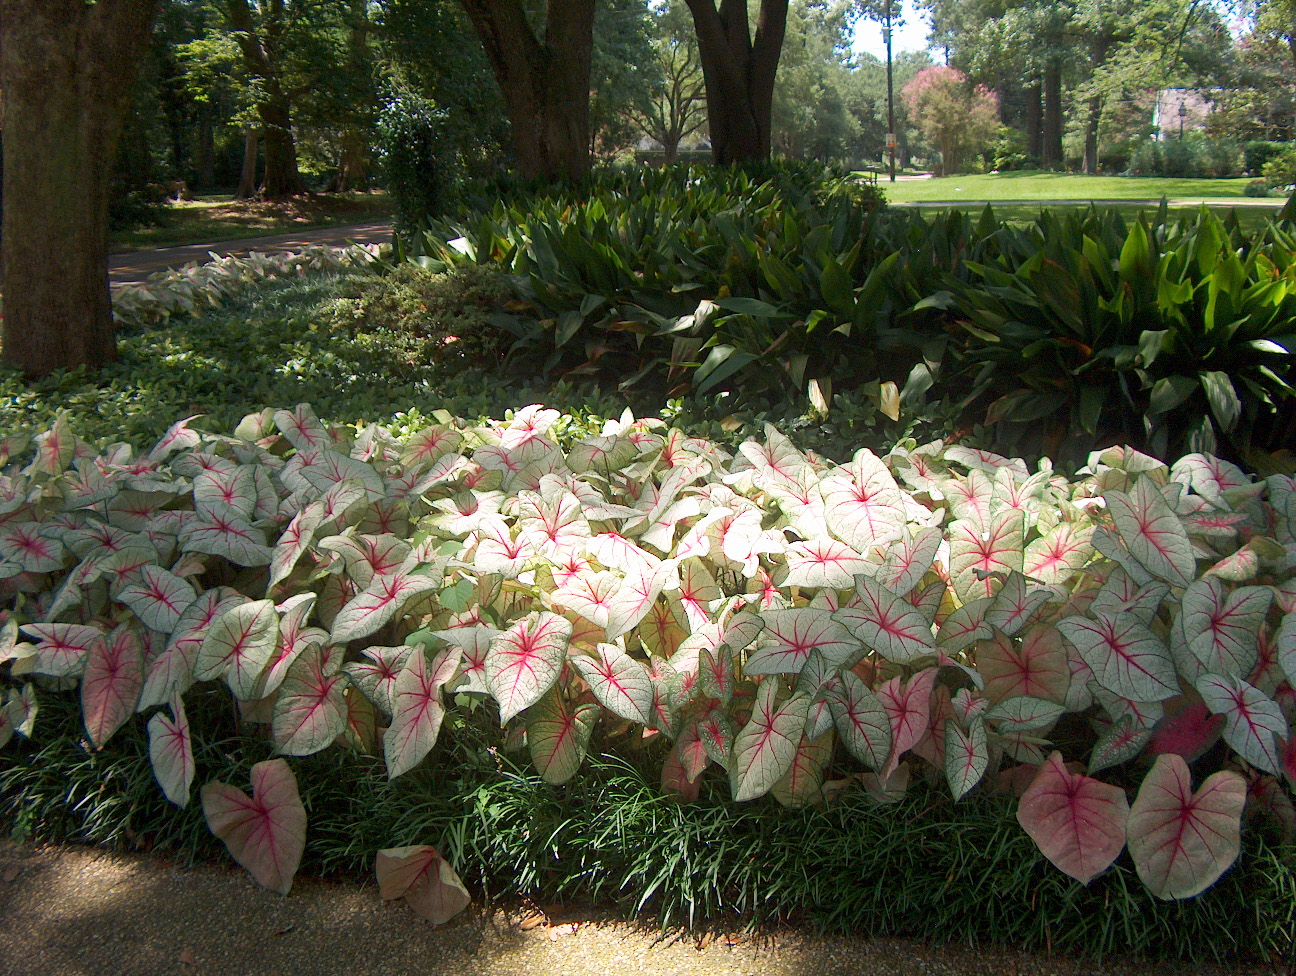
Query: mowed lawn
[1030,186]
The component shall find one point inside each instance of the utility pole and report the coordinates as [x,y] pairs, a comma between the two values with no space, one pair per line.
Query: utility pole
[891,132]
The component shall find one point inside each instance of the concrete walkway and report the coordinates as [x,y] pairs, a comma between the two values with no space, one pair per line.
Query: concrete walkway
[70,911]
[138,265]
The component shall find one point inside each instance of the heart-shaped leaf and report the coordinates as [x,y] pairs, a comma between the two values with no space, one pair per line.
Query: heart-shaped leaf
[1152,532]
[862,721]
[266,833]
[1221,628]
[158,598]
[887,623]
[908,707]
[172,671]
[824,563]
[1183,841]
[62,649]
[558,735]
[310,711]
[1077,822]
[1125,656]
[379,602]
[803,783]
[967,756]
[976,555]
[171,753]
[763,751]
[618,681]
[421,876]
[417,710]
[1035,667]
[863,505]
[111,685]
[238,646]
[1251,719]
[525,661]
[790,635]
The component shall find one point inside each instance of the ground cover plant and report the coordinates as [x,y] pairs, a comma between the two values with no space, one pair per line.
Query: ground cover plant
[1115,651]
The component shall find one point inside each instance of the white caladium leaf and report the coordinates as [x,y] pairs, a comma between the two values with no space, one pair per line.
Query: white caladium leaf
[158,598]
[525,661]
[61,649]
[294,637]
[179,437]
[863,506]
[880,620]
[976,554]
[970,499]
[716,735]
[802,504]
[602,453]
[1077,822]
[790,635]
[862,722]
[1222,628]
[966,625]
[697,591]
[294,542]
[110,687]
[421,876]
[172,671]
[379,602]
[777,461]
[266,832]
[22,544]
[228,492]
[1125,656]
[238,646]
[229,536]
[1055,558]
[1208,476]
[1152,532]
[1285,643]
[1182,841]
[1120,595]
[558,734]
[765,748]
[620,683]
[375,677]
[171,753]
[310,711]
[1251,719]
[417,709]
[908,559]
[1024,714]
[803,783]
[552,526]
[1120,742]
[475,642]
[497,551]
[1015,606]
[302,428]
[824,563]
[967,756]
[367,556]
[716,673]
[429,445]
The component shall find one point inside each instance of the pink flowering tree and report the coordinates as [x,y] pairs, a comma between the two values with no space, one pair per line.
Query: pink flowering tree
[956,117]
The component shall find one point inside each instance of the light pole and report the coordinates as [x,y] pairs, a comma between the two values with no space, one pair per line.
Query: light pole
[891,133]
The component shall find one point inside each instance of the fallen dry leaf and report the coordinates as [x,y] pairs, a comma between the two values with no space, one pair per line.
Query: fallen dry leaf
[11,872]
[187,958]
[532,922]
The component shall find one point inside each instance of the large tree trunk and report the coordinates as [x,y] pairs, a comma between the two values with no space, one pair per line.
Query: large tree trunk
[66,69]
[1091,135]
[1051,154]
[545,84]
[739,72]
[247,187]
[1034,121]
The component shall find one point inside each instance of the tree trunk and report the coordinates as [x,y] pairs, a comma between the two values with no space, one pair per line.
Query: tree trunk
[739,72]
[1091,135]
[66,70]
[281,176]
[1052,148]
[545,84]
[1034,121]
[247,187]
[353,164]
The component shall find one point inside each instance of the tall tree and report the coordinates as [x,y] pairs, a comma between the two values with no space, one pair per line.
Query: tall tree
[675,109]
[66,68]
[739,66]
[544,76]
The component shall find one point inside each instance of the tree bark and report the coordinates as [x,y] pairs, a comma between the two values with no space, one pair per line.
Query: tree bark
[1091,135]
[739,72]
[66,70]
[247,187]
[1051,154]
[1034,121]
[545,84]
[281,176]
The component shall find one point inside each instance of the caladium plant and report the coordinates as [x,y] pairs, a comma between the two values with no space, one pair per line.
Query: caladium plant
[768,619]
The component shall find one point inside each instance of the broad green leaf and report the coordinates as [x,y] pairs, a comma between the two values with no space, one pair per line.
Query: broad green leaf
[266,833]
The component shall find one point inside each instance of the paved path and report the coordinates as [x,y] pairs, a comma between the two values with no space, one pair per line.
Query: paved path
[138,265]
[70,911]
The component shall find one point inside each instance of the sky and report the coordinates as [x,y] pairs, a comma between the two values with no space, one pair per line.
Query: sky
[910,37]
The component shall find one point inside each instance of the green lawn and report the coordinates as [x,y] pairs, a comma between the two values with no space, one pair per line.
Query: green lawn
[1044,186]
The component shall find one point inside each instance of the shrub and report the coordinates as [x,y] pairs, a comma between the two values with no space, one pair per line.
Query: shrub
[1256,188]
[958,119]
[420,158]
[1258,152]
[1280,169]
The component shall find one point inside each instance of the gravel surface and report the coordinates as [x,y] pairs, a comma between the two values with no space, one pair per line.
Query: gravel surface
[68,911]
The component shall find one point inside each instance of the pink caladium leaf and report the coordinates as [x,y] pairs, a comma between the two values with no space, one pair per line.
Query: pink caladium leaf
[863,506]
[475,642]
[790,635]
[1182,841]
[111,684]
[1037,666]
[804,782]
[417,709]
[558,734]
[172,671]
[908,708]
[1125,656]
[966,625]
[1152,532]
[1015,605]
[763,751]
[227,535]
[379,602]
[715,732]
[885,622]
[967,756]
[266,832]
[862,721]
[22,544]
[908,559]
[976,555]
[238,646]
[824,563]
[421,876]
[1222,628]
[716,673]
[1251,719]
[294,541]
[620,683]
[1187,729]
[294,638]
[1120,742]
[171,753]
[62,649]
[692,753]
[375,677]
[158,598]
[1055,558]
[310,711]
[525,661]
[1077,822]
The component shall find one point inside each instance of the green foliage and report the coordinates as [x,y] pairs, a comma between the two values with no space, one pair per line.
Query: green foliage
[419,152]
[1191,155]
[1279,170]
[1258,152]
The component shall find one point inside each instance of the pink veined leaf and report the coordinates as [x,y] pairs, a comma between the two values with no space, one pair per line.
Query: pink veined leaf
[697,589]
[369,556]
[824,563]
[1188,729]
[266,832]
[620,683]
[61,649]
[229,536]
[177,438]
[1056,557]
[1024,713]
[294,541]
[111,684]
[22,544]
[558,734]
[1152,532]
[970,500]
[294,638]
[238,646]
[375,677]
[716,673]
[1285,642]
[908,559]
[1119,743]
[692,753]
[880,620]
[635,598]
[302,428]
[965,626]
[498,552]
[1208,476]
[987,461]
[475,642]
[1288,761]
[803,783]
[866,508]
[1182,841]
[593,596]
[1213,523]
[172,671]
[716,735]
[862,721]
[775,461]
[1222,628]
[790,635]
[310,711]
[1036,667]
[674,781]
[976,555]
[967,756]
[158,598]
[1119,595]
[1014,606]
[430,444]
[619,553]
[379,602]
[552,526]
[1251,719]
[908,709]
[361,732]
[421,876]
[171,753]
[1125,656]
[1077,822]
[230,492]
[525,661]
[763,751]
[417,709]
